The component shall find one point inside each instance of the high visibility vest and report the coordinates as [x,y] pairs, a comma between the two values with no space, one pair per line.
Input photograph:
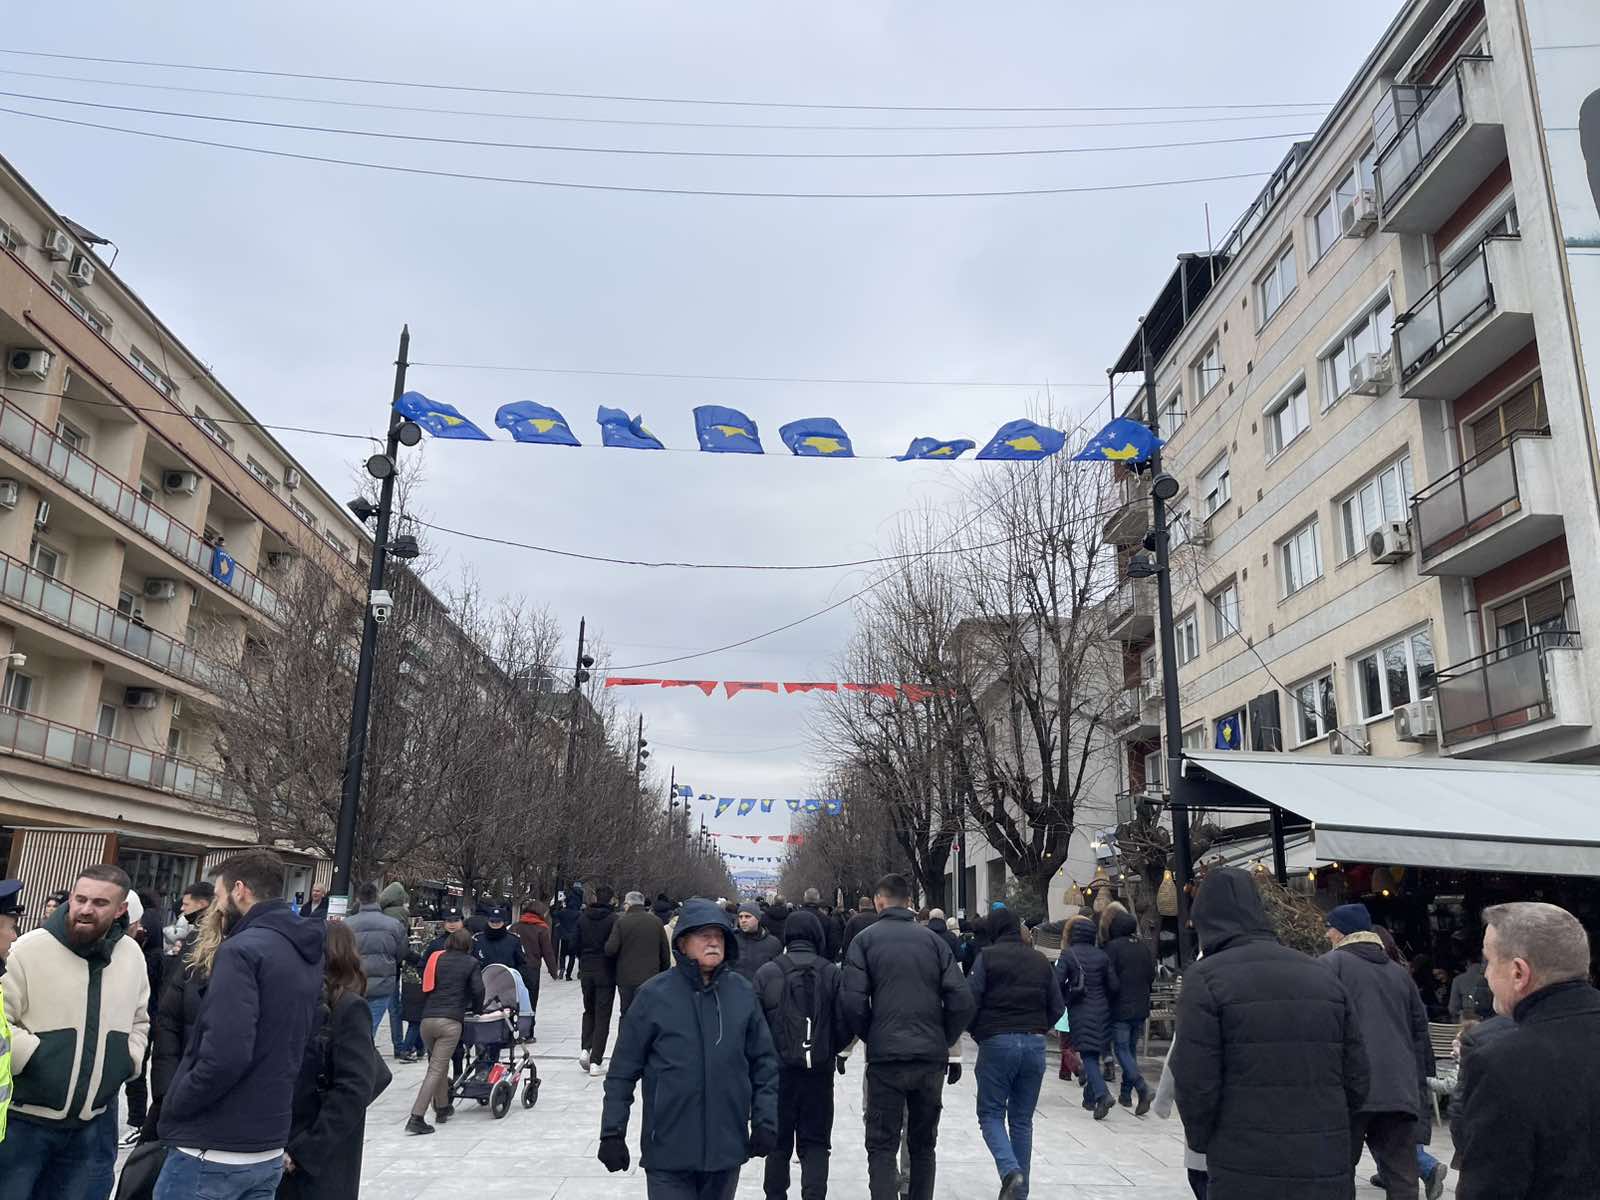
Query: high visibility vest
[5,1067]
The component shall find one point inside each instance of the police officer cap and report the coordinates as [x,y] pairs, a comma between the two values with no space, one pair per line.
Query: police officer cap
[11,896]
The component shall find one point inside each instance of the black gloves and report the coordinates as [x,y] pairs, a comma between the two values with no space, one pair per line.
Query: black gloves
[838,1064]
[614,1153]
[762,1142]
[952,1073]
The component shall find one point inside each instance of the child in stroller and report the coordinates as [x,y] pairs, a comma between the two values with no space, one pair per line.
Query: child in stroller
[497,1043]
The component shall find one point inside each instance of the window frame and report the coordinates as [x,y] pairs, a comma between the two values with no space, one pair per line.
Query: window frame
[100,720]
[1222,625]
[1223,489]
[86,312]
[1316,711]
[260,474]
[1343,347]
[1281,403]
[71,436]
[1186,636]
[304,513]
[1171,407]
[212,430]
[1492,610]
[58,569]
[10,238]
[1357,175]
[1213,349]
[30,689]
[1405,485]
[153,375]
[1292,542]
[1265,311]
[1406,643]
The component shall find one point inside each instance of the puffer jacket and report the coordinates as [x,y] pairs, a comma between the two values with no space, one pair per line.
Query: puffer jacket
[594,930]
[1394,1025]
[383,944]
[755,950]
[1135,967]
[904,996]
[457,979]
[1268,1064]
[175,1019]
[1084,965]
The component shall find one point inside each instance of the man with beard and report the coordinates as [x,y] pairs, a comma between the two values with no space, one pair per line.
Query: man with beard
[76,998]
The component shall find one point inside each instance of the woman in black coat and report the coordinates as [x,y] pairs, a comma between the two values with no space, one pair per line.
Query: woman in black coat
[338,1079]
[1089,982]
[1135,969]
[183,988]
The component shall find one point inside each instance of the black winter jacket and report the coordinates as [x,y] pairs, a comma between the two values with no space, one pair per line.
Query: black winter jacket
[830,932]
[1268,1063]
[457,986]
[801,939]
[1084,964]
[772,921]
[501,946]
[594,929]
[857,922]
[705,1054]
[179,1009]
[565,921]
[1531,1103]
[638,943]
[1394,1025]
[904,995]
[755,949]
[1135,968]
[331,1095]
[1013,986]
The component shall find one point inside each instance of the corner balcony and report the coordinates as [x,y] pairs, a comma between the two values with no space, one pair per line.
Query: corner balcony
[1131,719]
[1449,145]
[1132,517]
[1492,508]
[1131,611]
[1513,696]
[1470,322]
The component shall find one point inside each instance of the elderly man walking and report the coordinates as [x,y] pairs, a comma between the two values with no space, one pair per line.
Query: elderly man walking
[1530,1123]
[638,943]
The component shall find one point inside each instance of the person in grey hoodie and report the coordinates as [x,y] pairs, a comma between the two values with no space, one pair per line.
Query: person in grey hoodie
[383,943]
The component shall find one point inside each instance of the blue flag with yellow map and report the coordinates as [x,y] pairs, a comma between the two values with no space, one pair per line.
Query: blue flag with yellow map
[817,437]
[933,448]
[1024,441]
[537,423]
[1230,732]
[1124,440]
[438,418]
[617,428]
[726,430]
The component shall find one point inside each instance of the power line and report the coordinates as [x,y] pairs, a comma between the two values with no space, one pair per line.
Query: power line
[1099,385]
[174,412]
[481,89]
[629,188]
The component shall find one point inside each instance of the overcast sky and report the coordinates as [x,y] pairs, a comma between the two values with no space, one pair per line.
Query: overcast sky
[292,279]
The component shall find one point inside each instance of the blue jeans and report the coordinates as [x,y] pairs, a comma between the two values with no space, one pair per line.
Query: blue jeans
[185,1177]
[1010,1072]
[397,1025]
[42,1161]
[412,1042]
[1426,1163]
[1094,1083]
[1125,1037]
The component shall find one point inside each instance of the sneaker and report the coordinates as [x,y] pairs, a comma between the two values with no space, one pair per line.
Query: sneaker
[1433,1184]
[131,1138]
[596,1071]
[583,1061]
[444,1114]
[1102,1107]
[1011,1186]
[1147,1097]
[417,1125]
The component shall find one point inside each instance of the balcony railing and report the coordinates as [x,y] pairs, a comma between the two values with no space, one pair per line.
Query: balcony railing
[1452,306]
[1470,499]
[1439,112]
[65,746]
[35,591]
[1133,597]
[83,475]
[1503,689]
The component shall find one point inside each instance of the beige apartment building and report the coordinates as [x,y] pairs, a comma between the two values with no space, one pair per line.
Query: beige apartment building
[144,520]
[1374,397]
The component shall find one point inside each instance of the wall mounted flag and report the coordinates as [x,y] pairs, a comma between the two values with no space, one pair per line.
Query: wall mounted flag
[1023,441]
[438,418]
[1229,733]
[817,437]
[726,430]
[927,447]
[1124,440]
[617,428]
[536,423]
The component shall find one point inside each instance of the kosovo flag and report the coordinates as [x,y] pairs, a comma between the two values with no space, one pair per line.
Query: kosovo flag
[619,429]
[438,418]
[726,430]
[1124,440]
[817,437]
[1230,733]
[530,422]
[1024,441]
[926,447]
[222,565]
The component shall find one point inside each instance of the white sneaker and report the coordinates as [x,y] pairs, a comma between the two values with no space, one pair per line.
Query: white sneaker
[583,1061]
[596,1071]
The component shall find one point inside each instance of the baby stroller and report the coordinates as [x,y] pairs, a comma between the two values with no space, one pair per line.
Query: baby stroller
[497,1045]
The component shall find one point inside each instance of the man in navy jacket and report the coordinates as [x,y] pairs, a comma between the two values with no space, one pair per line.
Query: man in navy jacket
[227,1113]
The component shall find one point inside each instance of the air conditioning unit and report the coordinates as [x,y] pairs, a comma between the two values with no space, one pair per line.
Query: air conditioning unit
[160,589]
[1360,216]
[57,245]
[1371,373]
[139,697]
[81,272]
[179,483]
[41,515]
[1389,542]
[291,478]
[1415,721]
[279,560]
[29,364]
[1349,739]
[10,493]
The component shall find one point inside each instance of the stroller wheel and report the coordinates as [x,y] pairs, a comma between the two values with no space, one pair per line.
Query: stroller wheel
[530,1093]
[483,1100]
[500,1100]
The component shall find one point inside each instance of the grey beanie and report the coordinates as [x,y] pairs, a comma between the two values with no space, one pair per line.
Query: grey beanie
[751,907]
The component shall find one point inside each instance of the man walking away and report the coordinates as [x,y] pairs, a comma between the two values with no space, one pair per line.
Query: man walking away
[597,976]
[1136,974]
[663,908]
[566,924]
[1531,1101]
[812,903]
[1470,996]
[866,914]
[383,943]
[905,998]
[939,925]
[757,946]
[799,993]
[638,947]
[533,930]
[697,1038]
[76,999]
[1268,1064]
[228,1112]
[1017,1000]
[1394,1029]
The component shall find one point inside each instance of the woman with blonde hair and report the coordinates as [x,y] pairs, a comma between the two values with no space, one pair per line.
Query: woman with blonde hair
[179,1008]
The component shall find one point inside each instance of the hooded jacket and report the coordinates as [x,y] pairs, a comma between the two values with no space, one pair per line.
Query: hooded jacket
[1268,1063]
[533,931]
[396,902]
[704,1052]
[755,949]
[638,943]
[1135,968]
[383,943]
[1394,1025]
[594,931]
[234,1089]
[1013,985]
[566,923]
[804,935]
[904,996]
[829,949]
[1083,964]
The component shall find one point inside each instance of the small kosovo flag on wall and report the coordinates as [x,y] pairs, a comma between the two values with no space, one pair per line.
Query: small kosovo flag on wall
[1230,733]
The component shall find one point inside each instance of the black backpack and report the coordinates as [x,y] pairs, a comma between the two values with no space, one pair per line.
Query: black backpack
[802,1026]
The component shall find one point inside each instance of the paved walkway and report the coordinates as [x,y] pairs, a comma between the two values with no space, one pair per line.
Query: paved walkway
[548,1152]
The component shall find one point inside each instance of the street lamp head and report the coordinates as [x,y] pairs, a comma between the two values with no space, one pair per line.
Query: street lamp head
[380,466]
[409,433]
[1140,567]
[1164,486]
[363,508]
[586,660]
[405,547]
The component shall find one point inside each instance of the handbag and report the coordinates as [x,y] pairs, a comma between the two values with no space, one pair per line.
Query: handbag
[1078,984]
[140,1172]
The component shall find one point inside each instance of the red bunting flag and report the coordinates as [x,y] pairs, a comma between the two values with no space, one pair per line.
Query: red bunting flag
[791,688]
[887,690]
[705,685]
[619,681]
[775,837]
[733,689]
[917,694]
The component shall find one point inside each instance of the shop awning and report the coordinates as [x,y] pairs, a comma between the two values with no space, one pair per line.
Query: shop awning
[1299,852]
[1531,818]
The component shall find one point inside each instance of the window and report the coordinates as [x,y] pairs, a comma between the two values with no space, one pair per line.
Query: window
[1224,605]
[162,383]
[1287,418]
[1169,417]
[1379,499]
[1316,711]
[1177,528]
[1187,637]
[1369,335]
[1215,488]
[106,724]
[1149,668]
[1524,409]
[1208,368]
[1300,557]
[19,691]
[91,316]
[48,561]
[1154,769]
[71,436]
[1548,609]
[1394,674]
[1277,285]
[1327,225]
[175,742]
[126,602]
[342,547]
[212,430]
[147,488]
[262,475]
[1194,738]
[1503,223]
[8,237]
[304,513]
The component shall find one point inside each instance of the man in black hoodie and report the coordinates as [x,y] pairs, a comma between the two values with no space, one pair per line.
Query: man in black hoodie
[1135,969]
[597,975]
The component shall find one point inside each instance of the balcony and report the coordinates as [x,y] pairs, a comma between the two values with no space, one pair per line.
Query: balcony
[1492,508]
[89,479]
[1132,516]
[1131,719]
[1475,318]
[35,592]
[28,736]
[1131,610]
[1450,143]
[1513,695]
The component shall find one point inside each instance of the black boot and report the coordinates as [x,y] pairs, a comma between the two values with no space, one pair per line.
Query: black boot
[418,1125]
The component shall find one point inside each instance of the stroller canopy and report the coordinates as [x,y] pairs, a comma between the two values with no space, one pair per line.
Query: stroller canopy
[504,988]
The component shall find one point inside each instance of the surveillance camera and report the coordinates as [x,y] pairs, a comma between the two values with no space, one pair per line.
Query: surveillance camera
[17,660]
[382,606]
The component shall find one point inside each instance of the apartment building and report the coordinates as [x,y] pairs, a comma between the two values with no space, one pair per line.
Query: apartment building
[145,525]
[1375,399]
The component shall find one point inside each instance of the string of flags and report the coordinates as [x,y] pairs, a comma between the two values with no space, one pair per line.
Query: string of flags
[831,808]
[762,858]
[890,691]
[784,839]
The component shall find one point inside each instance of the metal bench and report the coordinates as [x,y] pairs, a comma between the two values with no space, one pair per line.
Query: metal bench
[1163,1008]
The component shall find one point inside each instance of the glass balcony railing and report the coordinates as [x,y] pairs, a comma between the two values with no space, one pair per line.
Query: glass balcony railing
[1451,307]
[1439,111]
[1503,689]
[88,478]
[1133,597]
[1471,498]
